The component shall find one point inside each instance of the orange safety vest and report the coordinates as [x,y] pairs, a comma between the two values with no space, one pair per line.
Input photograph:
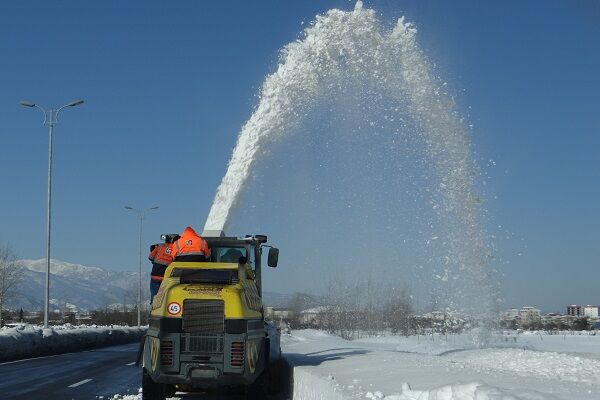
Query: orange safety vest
[162,258]
[190,246]
[153,251]
[164,255]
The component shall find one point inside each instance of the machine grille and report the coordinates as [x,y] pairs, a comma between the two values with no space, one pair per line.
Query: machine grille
[166,352]
[237,354]
[202,343]
[203,316]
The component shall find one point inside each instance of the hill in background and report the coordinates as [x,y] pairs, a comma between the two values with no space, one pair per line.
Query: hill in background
[81,287]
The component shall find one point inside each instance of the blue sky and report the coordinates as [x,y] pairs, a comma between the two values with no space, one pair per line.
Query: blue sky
[167,87]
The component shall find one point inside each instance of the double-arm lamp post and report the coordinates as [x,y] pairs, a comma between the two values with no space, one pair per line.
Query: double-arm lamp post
[50,119]
[141,214]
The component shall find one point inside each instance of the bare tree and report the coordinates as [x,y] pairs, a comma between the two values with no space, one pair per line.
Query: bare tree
[298,303]
[366,307]
[11,275]
[398,309]
[130,296]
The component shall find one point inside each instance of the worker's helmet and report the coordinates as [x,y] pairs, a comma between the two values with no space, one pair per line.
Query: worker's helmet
[169,237]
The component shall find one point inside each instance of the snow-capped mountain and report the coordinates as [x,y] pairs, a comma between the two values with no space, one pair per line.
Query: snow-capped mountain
[87,288]
[75,284]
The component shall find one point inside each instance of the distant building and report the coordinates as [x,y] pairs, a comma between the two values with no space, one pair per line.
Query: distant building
[312,315]
[590,311]
[583,311]
[529,312]
[83,319]
[556,318]
[278,314]
[524,313]
[575,310]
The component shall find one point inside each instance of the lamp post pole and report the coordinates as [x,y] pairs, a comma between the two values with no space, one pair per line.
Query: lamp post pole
[50,119]
[141,214]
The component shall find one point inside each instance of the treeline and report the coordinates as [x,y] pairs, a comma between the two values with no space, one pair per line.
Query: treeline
[368,309]
[355,324]
[118,317]
[564,323]
[123,316]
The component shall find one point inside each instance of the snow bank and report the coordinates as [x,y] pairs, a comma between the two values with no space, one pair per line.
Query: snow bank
[559,366]
[320,366]
[308,386]
[127,396]
[469,391]
[562,342]
[442,367]
[28,341]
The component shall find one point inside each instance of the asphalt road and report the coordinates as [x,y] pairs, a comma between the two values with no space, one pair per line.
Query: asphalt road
[82,376]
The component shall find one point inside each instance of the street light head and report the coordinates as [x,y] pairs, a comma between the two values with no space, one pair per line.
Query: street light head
[129,208]
[75,103]
[26,103]
[154,208]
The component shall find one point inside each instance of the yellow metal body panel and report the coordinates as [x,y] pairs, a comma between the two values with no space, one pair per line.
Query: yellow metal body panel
[241,300]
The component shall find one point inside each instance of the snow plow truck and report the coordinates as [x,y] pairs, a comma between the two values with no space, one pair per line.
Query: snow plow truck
[207,328]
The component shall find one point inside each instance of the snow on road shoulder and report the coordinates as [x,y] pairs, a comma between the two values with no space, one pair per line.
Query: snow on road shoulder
[27,341]
[326,367]
[559,366]
[421,368]
[126,396]
[475,390]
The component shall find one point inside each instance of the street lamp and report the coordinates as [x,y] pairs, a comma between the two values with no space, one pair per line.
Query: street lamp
[50,119]
[141,214]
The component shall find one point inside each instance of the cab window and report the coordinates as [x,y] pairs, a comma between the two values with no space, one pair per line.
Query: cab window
[228,254]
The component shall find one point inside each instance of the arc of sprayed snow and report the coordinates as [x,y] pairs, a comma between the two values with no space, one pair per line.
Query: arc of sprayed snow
[282,94]
[286,96]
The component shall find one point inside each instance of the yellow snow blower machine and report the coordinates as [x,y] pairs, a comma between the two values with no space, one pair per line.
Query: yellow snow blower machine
[207,328]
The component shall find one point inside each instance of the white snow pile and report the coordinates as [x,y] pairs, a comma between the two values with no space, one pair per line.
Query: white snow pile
[127,396]
[467,391]
[559,366]
[442,368]
[439,367]
[26,341]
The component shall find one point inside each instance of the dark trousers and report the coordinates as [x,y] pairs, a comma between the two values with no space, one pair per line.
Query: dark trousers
[153,289]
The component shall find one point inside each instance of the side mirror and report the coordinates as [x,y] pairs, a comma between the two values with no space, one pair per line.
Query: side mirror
[261,238]
[273,257]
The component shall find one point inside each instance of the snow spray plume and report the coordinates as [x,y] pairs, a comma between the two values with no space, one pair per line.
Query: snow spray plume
[342,49]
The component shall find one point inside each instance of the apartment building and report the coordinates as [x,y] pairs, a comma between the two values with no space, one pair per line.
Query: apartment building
[576,310]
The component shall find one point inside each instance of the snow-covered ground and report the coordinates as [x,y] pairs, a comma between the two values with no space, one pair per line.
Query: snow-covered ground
[526,366]
[27,341]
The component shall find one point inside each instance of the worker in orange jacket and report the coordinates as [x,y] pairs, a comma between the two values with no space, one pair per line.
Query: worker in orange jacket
[161,256]
[191,247]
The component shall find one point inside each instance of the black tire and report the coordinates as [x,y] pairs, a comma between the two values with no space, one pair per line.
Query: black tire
[152,390]
[255,391]
[170,390]
[277,376]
